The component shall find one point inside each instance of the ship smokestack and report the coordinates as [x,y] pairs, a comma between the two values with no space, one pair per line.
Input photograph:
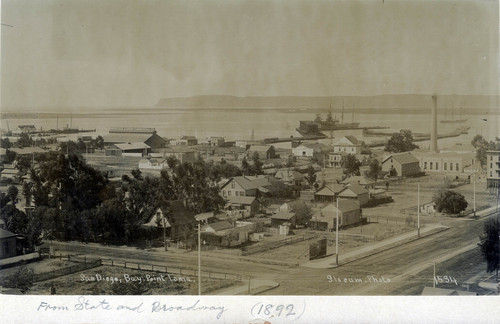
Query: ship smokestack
[434,147]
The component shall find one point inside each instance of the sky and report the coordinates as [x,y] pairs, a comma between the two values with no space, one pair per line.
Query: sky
[121,53]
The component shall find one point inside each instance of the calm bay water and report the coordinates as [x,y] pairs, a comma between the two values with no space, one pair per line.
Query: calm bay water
[238,124]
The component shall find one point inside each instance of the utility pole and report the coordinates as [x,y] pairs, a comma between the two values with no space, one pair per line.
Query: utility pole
[474,208]
[337,235]
[418,209]
[434,279]
[164,234]
[199,260]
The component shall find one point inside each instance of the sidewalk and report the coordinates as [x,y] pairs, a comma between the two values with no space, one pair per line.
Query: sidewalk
[256,286]
[356,254]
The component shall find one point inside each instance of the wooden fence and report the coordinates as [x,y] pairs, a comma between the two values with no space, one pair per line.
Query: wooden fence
[169,269]
[248,250]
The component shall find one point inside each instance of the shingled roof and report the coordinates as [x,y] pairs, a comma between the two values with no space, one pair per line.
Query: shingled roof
[402,158]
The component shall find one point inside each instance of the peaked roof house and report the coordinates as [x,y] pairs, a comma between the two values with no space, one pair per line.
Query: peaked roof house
[217,227]
[153,140]
[355,192]
[253,186]
[282,218]
[290,178]
[360,180]
[348,144]
[264,151]
[349,213]
[178,222]
[185,140]
[329,192]
[246,206]
[401,164]
[292,206]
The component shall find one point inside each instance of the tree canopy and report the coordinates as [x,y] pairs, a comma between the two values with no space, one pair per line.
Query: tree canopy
[450,202]
[482,146]
[351,165]
[402,142]
[489,243]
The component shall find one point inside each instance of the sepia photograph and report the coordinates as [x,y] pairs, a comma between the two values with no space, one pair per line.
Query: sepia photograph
[245,149]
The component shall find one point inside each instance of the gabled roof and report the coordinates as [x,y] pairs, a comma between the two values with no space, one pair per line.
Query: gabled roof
[348,140]
[251,182]
[402,158]
[241,200]
[356,189]
[295,204]
[318,147]
[330,189]
[220,226]
[126,137]
[361,180]
[345,205]
[6,234]
[283,215]
[132,146]
[287,175]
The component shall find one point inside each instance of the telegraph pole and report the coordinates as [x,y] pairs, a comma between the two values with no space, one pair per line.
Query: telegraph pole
[418,209]
[474,208]
[199,260]
[337,235]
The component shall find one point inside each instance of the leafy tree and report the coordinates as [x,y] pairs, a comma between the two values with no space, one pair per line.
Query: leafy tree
[290,162]
[12,193]
[24,140]
[450,202]
[172,162]
[303,214]
[192,183]
[67,183]
[351,165]
[23,279]
[23,163]
[227,170]
[245,167]
[98,142]
[482,146]
[5,143]
[311,175]
[10,156]
[279,190]
[257,163]
[489,243]
[137,174]
[374,170]
[402,142]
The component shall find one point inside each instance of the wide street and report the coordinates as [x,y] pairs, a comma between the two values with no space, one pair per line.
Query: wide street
[402,270]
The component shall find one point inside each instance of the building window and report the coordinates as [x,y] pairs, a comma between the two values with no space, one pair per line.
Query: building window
[445,164]
[229,193]
[236,193]
[425,165]
[437,165]
[491,165]
[430,166]
[224,193]
[451,166]
[456,167]
[232,185]
[242,193]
